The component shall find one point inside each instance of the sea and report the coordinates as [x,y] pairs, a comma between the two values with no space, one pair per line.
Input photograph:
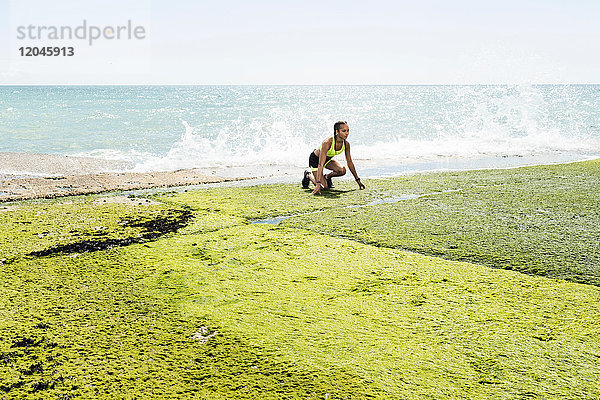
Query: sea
[270,130]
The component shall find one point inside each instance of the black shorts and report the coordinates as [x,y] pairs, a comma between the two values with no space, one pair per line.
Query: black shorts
[313,160]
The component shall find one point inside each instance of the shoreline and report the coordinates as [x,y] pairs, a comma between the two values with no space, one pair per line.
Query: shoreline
[74,185]
[53,176]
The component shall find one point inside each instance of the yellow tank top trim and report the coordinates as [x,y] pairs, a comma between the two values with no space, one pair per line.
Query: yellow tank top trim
[332,152]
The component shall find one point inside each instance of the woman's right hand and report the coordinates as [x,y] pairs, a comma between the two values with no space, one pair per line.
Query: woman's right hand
[318,188]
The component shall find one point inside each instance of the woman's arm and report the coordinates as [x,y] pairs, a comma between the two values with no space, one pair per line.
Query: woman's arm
[351,166]
[321,182]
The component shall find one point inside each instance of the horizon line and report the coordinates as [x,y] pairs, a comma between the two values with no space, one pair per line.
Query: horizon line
[295,84]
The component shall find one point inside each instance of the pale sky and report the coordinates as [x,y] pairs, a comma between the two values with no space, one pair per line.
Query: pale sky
[309,42]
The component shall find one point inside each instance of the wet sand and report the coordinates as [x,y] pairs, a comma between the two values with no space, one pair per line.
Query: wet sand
[70,185]
[51,164]
[29,176]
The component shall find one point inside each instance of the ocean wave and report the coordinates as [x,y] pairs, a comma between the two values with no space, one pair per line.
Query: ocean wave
[239,145]
[236,148]
[221,127]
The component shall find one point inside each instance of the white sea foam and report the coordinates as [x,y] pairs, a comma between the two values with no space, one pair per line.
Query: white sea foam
[466,147]
[494,122]
[255,144]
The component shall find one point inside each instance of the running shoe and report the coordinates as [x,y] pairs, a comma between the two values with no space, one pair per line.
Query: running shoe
[305,180]
[329,183]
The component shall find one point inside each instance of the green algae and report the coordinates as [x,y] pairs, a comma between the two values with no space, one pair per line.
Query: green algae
[106,324]
[109,324]
[416,326]
[258,202]
[224,309]
[264,201]
[365,322]
[539,220]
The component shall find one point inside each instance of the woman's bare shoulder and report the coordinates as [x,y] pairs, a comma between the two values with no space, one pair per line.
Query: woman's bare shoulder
[327,142]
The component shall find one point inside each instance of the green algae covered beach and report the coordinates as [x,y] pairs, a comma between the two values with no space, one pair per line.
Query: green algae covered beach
[453,285]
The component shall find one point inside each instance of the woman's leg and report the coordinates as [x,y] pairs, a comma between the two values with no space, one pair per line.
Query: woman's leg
[336,169]
[313,163]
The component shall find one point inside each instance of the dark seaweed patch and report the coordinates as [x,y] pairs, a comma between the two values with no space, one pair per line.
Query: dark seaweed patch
[151,229]
[42,325]
[7,388]
[33,368]
[31,358]
[25,342]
